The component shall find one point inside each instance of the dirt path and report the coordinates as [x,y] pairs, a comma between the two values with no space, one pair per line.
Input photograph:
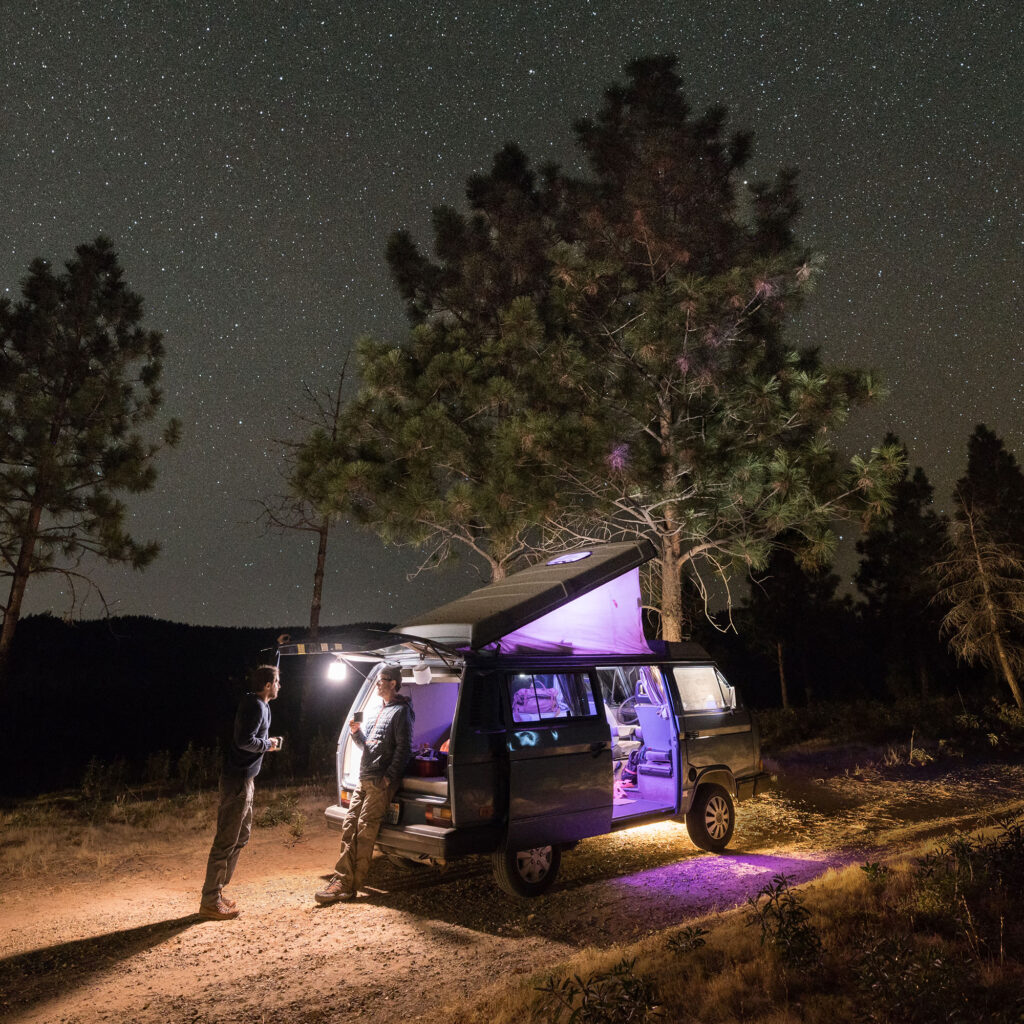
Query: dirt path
[128,947]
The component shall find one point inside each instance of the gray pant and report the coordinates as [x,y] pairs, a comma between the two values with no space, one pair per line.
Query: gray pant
[234,823]
[366,813]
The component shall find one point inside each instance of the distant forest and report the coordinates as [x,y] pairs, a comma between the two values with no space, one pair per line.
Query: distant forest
[128,689]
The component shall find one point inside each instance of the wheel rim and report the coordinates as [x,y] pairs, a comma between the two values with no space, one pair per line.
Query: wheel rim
[716,817]
[533,865]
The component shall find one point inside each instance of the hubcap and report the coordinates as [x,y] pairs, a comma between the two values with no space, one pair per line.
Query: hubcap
[534,864]
[716,817]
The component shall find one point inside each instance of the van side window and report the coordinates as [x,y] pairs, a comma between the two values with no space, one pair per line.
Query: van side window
[539,696]
[702,688]
[638,684]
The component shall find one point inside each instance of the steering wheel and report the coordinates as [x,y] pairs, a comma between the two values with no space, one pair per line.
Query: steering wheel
[625,711]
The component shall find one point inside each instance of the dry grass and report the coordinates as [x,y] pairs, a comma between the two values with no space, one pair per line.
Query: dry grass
[858,913]
[63,832]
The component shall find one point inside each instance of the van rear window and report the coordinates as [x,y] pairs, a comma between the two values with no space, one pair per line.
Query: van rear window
[537,696]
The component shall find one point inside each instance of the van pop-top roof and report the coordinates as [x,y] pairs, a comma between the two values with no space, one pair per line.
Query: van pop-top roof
[579,602]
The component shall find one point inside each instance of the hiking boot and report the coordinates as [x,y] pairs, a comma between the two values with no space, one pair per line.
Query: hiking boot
[230,904]
[336,889]
[219,911]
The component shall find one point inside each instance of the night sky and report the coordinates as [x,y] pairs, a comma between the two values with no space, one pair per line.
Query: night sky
[248,161]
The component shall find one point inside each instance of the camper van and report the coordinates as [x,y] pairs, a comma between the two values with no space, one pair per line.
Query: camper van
[543,716]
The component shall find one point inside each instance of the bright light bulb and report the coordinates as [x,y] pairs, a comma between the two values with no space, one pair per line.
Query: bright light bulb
[337,670]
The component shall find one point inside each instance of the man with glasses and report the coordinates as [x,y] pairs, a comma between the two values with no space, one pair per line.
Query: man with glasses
[387,748]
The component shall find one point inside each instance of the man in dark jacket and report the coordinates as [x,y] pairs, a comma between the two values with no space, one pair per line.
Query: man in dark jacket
[249,742]
[386,751]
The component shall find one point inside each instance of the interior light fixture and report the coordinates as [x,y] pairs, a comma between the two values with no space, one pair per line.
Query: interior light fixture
[337,670]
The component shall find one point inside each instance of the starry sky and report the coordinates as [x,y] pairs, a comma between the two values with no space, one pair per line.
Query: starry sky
[249,160]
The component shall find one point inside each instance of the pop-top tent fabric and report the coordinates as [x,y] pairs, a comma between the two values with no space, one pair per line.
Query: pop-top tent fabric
[580,602]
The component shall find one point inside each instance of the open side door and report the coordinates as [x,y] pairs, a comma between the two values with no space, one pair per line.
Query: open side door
[559,758]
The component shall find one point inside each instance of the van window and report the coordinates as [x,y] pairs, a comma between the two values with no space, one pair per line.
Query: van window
[537,696]
[642,682]
[703,688]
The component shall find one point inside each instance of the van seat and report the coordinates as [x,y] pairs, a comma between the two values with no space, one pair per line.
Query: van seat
[657,732]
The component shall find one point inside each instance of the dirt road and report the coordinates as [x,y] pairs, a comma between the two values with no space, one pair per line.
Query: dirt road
[127,946]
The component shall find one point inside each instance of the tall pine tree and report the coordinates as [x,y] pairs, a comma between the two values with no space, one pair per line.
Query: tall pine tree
[994,485]
[714,435]
[896,554]
[601,358]
[78,383]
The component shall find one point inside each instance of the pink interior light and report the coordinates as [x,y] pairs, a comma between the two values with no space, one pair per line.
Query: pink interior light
[604,621]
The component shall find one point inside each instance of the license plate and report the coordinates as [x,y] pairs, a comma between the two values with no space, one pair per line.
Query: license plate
[393,812]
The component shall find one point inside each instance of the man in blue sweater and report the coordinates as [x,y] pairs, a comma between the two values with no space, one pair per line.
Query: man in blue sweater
[249,742]
[386,752]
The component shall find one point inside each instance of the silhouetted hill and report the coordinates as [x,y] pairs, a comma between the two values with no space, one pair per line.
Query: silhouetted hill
[130,687]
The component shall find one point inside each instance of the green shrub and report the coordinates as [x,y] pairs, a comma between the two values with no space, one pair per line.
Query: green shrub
[784,924]
[616,996]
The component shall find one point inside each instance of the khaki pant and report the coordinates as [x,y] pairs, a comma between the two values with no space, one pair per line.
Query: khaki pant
[366,812]
[234,824]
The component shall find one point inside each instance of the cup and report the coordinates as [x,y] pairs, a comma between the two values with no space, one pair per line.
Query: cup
[357,717]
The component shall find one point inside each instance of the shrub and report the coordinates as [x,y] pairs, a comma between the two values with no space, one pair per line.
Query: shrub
[784,924]
[616,996]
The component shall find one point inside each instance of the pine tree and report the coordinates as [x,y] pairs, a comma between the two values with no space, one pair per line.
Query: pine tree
[791,615]
[601,358]
[706,431]
[981,582]
[896,554]
[994,484]
[441,447]
[78,381]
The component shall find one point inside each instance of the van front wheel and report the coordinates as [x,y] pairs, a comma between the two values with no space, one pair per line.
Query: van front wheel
[711,819]
[526,872]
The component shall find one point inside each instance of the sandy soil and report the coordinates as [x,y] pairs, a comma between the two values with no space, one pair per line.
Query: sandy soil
[126,945]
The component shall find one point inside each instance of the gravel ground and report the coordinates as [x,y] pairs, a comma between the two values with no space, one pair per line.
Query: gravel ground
[125,944]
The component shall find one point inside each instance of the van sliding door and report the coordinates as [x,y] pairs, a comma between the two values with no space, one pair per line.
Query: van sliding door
[559,757]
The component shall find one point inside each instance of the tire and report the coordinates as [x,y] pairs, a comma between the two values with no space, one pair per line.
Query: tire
[526,872]
[711,819]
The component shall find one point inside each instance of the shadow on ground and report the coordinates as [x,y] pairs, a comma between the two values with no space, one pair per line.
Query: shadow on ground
[31,978]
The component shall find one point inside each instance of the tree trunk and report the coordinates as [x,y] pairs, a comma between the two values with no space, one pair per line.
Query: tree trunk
[22,571]
[1008,673]
[993,618]
[318,580]
[782,676]
[671,593]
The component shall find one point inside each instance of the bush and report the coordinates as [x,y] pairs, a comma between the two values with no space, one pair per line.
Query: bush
[616,996]
[784,924]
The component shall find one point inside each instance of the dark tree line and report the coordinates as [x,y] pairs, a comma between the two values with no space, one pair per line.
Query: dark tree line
[904,632]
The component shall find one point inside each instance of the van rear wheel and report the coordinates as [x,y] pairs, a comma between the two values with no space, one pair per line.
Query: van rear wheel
[526,872]
[711,819]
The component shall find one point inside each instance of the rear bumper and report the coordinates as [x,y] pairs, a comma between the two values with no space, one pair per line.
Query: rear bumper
[441,844]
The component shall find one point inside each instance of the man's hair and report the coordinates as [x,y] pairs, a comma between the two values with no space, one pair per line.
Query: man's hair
[263,674]
[392,672]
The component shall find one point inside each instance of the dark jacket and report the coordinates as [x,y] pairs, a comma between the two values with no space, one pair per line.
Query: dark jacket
[386,751]
[250,739]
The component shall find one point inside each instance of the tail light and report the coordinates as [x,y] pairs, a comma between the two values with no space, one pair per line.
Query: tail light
[439,816]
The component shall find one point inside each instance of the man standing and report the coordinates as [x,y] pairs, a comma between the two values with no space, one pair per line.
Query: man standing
[386,751]
[249,742]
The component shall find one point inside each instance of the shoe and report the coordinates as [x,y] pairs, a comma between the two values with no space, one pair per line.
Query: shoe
[219,911]
[334,891]
[230,904]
